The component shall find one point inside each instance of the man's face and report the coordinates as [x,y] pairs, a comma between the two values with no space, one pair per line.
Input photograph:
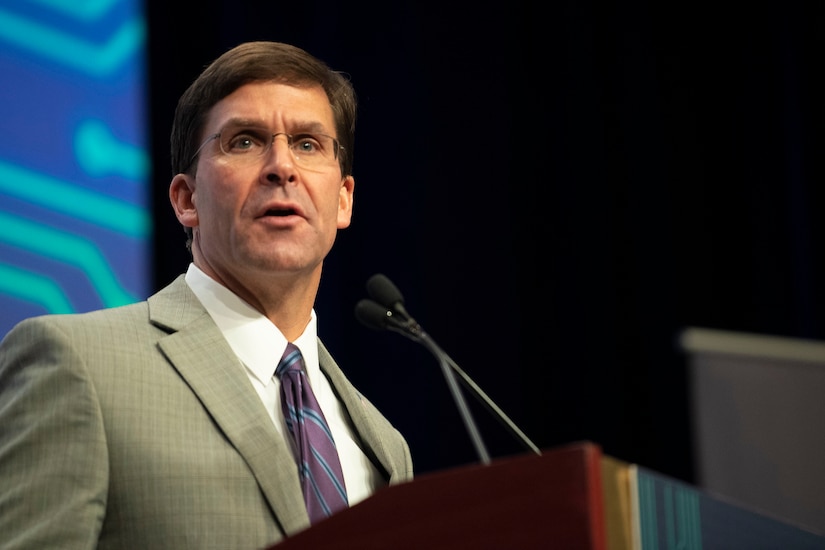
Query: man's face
[255,217]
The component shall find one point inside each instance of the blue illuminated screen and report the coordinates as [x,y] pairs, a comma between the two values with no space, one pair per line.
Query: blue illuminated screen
[75,231]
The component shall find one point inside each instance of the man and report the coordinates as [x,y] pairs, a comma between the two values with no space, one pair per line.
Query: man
[160,424]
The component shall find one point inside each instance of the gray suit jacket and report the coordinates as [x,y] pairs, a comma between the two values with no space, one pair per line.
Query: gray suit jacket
[137,427]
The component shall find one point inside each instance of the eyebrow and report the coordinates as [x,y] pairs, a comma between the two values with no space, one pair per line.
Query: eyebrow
[309,126]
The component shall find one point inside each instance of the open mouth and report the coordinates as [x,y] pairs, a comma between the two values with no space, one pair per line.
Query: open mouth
[279,212]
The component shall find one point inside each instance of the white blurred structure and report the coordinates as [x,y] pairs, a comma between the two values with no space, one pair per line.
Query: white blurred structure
[758,419]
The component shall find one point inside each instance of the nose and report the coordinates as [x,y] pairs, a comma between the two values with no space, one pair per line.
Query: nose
[279,162]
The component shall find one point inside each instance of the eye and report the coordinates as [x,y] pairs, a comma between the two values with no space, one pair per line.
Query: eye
[307,144]
[244,141]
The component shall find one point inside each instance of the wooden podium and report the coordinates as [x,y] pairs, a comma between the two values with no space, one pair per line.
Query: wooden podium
[552,500]
[570,497]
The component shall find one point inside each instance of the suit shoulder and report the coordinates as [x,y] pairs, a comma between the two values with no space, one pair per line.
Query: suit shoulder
[71,325]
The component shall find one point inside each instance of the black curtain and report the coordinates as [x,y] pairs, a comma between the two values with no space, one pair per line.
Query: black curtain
[558,190]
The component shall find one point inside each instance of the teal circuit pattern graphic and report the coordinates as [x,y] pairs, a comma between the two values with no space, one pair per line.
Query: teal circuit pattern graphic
[75,231]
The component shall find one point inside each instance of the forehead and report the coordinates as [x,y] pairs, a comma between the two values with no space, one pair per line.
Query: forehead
[275,105]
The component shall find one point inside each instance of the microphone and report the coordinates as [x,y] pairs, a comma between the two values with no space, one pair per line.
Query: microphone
[377,317]
[386,311]
[383,291]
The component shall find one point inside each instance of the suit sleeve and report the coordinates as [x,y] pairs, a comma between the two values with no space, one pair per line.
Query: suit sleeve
[53,458]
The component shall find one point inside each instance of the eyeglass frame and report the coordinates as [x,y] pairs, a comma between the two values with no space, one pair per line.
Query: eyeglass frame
[290,139]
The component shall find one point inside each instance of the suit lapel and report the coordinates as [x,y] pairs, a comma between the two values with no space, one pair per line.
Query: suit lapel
[198,351]
[364,416]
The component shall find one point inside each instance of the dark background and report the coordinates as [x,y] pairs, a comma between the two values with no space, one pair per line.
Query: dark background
[558,189]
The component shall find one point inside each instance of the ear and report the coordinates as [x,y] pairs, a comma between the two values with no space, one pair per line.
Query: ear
[181,194]
[345,198]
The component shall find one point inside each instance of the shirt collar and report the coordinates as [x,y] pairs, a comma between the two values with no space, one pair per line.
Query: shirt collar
[257,342]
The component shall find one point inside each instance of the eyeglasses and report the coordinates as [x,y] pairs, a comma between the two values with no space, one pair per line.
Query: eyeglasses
[249,145]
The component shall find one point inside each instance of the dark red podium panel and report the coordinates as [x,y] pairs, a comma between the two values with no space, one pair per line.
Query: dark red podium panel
[549,501]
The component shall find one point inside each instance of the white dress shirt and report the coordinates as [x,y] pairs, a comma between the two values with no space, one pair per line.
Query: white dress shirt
[259,345]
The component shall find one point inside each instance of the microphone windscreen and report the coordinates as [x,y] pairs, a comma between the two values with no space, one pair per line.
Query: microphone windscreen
[383,291]
[371,314]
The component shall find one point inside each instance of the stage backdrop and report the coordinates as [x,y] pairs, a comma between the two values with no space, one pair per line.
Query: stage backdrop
[75,226]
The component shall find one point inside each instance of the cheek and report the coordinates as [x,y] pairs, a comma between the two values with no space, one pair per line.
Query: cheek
[217,196]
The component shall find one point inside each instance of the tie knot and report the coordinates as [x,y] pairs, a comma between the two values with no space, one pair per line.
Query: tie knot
[291,361]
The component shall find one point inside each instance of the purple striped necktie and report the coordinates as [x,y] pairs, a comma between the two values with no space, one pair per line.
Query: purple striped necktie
[320,470]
